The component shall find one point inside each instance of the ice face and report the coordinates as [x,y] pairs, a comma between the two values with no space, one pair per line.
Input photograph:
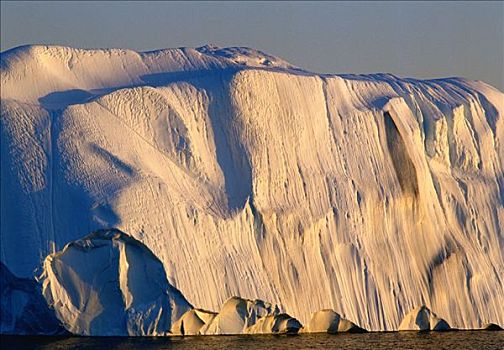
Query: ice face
[365,194]
[109,284]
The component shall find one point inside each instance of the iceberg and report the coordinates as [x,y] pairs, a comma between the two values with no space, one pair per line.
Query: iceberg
[422,319]
[109,284]
[329,321]
[247,176]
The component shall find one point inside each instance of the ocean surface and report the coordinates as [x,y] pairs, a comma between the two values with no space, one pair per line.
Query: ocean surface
[375,341]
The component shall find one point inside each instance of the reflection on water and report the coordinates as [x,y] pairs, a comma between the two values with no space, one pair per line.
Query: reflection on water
[376,341]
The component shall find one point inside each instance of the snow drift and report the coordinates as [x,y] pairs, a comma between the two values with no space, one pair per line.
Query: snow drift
[245,175]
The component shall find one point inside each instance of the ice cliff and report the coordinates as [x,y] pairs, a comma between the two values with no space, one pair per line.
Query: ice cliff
[244,175]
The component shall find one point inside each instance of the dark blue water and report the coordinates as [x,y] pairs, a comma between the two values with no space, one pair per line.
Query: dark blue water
[375,341]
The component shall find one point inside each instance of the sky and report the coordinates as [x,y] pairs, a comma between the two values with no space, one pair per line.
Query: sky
[409,39]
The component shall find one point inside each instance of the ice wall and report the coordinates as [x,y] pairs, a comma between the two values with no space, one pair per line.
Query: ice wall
[366,194]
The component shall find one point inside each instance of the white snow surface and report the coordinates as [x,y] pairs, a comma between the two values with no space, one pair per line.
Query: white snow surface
[244,175]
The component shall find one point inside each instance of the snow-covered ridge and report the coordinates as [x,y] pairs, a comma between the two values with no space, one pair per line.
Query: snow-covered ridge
[246,57]
[365,194]
[35,74]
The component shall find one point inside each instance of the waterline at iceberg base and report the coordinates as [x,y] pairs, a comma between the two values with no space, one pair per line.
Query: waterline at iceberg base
[109,284]
[368,195]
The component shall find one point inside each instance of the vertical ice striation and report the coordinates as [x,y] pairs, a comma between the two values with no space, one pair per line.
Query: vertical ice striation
[244,175]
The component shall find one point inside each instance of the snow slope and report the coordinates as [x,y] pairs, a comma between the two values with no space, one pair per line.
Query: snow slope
[366,194]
